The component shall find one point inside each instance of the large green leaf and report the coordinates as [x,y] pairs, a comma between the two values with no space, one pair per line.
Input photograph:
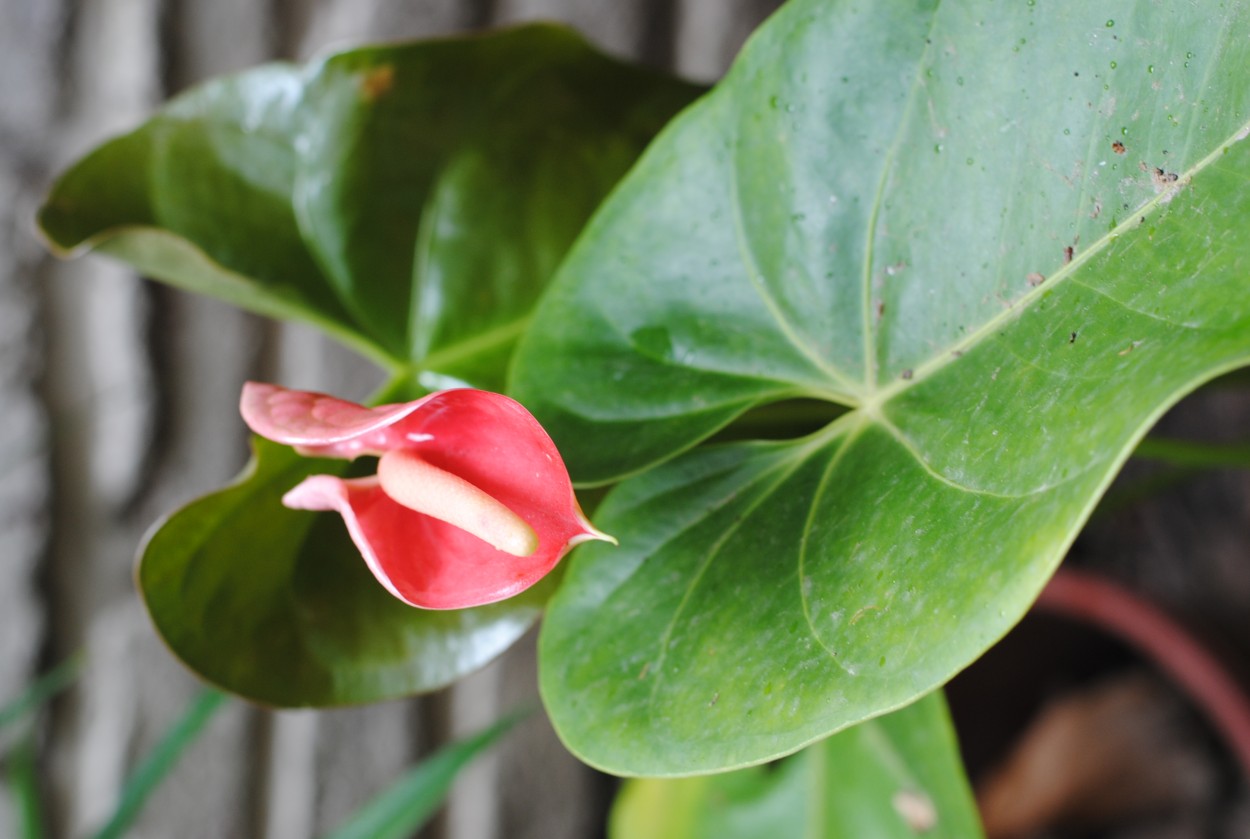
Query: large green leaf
[277,605]
[875,209]
[412,199]
[896,777]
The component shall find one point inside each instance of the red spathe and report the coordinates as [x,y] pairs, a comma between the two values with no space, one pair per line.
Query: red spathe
[482,438]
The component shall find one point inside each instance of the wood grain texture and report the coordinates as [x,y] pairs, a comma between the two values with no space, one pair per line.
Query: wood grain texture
[119,398]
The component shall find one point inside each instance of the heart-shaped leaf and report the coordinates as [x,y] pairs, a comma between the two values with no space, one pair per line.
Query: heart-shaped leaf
[277,605]
[896,777]
[413,200]
[1004,237]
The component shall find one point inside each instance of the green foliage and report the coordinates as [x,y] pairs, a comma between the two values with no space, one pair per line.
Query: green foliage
[898,776]
[986,245]
[1003,237]
[412,200]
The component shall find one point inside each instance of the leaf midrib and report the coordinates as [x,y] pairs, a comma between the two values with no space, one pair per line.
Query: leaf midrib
[940,360]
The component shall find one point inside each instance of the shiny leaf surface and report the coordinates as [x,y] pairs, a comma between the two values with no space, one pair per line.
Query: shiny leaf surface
[1005,237]
[411,199]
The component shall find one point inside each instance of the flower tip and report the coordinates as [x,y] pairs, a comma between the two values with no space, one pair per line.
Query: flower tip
[590,533]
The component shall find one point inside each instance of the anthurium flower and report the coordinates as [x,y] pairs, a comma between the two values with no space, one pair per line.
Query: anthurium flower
[471,502]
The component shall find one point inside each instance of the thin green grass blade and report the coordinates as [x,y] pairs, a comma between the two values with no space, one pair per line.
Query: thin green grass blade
[41,690]
[22,773]
[409,803]
[157,765]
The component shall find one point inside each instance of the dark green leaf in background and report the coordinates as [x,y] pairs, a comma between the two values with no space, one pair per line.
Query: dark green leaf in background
[413,200]
[277,605]
[1004,236]
[895,777]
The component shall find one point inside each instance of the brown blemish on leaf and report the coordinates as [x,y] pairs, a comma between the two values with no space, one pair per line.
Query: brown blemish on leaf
[907,374]
[378,82]
[715,699]
[1097,211]
[1132,346]
[1118,147]
[880,310]
[1035,279]
[1163,180]
[642,674]
[1067,254]
[1167,184]
[915,809]
[1072,338]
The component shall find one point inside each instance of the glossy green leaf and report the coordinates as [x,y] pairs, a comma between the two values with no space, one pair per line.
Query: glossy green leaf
[895,777]
[278,606]
[405,807]
[874,209]
[411,199]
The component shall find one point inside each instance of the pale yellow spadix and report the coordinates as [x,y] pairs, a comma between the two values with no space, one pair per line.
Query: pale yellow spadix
[425,488]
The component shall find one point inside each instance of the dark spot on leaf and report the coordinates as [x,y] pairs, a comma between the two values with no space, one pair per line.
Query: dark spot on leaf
[1035,279]
[1163,180]
[1072,338]
[907,374]
[1067,254]
[715,698]
[1118,147]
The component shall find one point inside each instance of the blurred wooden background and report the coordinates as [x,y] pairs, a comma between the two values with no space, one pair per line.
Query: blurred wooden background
[118,398]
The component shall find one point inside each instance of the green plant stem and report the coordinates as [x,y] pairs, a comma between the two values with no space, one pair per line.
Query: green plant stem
[1115,609]
[157,765]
